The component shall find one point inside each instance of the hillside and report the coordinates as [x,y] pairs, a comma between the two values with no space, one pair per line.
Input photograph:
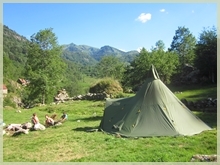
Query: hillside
[14,53]
[108,50]
[80,54]
[80,60]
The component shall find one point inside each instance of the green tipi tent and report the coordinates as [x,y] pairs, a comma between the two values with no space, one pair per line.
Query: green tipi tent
[153,111]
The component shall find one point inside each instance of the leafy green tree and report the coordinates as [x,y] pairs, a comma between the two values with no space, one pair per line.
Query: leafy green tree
[166,63]
[44,67]
[110,66]
[159,45]
[183,44]
[140,67]
[206,53]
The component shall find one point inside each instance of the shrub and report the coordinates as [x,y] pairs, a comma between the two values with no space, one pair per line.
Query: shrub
[9,102]
[107,85]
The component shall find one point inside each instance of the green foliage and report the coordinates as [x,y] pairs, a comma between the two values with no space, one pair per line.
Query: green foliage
[110,66]
[183,44]
[73,75]
[79,57]
[44,67]
[107,85]
[159,45]
[14,53]
[206,54]
[166,64]
[7,101]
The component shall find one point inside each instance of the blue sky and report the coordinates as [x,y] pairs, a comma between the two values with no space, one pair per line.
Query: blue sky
[126,26]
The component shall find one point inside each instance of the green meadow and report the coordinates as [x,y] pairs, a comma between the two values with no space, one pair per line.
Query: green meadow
[74,142]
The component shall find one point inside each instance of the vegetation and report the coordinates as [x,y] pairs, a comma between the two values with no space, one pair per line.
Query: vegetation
[110,66]
[44,67]
[107,85]
[206,51]
[14,54]
[165,62]
[184,44]
[72,141]
[62,69]
[49,69]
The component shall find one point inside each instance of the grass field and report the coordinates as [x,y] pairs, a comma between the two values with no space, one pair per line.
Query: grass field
[71,142]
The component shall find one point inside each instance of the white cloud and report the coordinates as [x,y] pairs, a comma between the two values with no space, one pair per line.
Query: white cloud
[144,17]
[162,10]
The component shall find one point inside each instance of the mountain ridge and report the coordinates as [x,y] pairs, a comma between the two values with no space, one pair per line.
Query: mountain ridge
[97,53]
[81,54]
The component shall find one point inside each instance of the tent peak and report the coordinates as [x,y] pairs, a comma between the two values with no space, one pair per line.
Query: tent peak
[153,72]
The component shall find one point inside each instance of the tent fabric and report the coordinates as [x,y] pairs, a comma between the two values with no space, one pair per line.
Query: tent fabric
[153,111]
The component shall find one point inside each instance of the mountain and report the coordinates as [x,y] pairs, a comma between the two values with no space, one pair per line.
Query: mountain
[15,50]
[80,54]
[108,50]
[90,55]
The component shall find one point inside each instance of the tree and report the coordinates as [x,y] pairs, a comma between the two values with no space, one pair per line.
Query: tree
[183,44]
[110,66]
[206,53]
[166,63]
[159,45]
[44,66]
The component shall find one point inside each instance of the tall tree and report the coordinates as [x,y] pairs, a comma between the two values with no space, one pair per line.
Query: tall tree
[160,45]
[206,53]
[44,67]
[166,63]
[183,44]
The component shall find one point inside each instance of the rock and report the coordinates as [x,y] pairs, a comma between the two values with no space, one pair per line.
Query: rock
[204,158]
[61,96]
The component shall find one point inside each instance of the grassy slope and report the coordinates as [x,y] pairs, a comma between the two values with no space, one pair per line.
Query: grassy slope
[195,92]
[71,142]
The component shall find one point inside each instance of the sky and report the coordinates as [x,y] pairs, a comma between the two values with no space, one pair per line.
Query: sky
[125,26]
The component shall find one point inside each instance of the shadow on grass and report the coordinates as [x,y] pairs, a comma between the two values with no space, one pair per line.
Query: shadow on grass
[93,118]
[86,129]
[209,118]
[203,96]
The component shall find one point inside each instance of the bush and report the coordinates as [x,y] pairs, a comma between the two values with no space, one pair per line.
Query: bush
[107,85]
[8,102]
